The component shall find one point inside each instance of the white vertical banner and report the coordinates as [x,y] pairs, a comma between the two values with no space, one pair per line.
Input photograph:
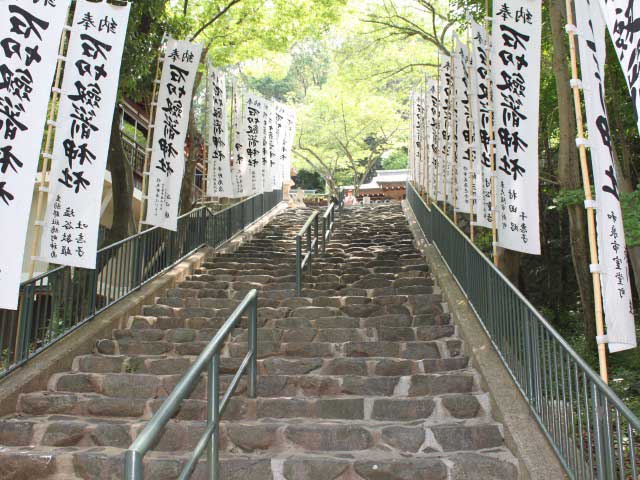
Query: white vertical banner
[621,17]
[267,136]
[412,138]
[238,147]
[445,121]
[30,37]
[83,129]
[166,167]
[278,168]
[612,249]
[417,139]
[433,137]
[273,145]
[287,147]
[515,60]
[219,162]
[253,128]
[481,116]
[464,197]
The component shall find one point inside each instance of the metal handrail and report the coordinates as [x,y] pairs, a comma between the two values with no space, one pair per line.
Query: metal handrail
[55,303]
[312,248]
[328,223]
[209,359]
[590,428]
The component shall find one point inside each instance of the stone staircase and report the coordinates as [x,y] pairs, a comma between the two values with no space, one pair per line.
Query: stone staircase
[363,378]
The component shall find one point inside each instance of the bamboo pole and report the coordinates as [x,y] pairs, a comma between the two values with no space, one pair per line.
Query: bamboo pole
[586,181]
[492,146]
[144,201]
[47,151]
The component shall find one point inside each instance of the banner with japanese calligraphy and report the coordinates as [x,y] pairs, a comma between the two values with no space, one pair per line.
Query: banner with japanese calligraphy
[219,162]
[287,147]
[444,176]
[83,130]
[416,146]
[29,36]
[412,165]
[515,61]
[621,17]
[238,147]
[252,125]
[463,113]
[612,250]
[481,124]
[166,169]
[276,158]
[267,145]
[433,137]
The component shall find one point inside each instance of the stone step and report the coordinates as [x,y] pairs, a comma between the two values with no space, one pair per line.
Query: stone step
[171,365]
[387,378]
[332,427]
[292,334]
[90,463]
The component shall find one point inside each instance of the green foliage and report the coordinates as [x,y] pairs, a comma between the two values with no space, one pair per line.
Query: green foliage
[568,198]
[309,180]
[396,161]
[631,213]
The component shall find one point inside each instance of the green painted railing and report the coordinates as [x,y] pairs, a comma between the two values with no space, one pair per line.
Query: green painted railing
[209,359]
[54,304]
[328,224]
[592,431]
[310,232]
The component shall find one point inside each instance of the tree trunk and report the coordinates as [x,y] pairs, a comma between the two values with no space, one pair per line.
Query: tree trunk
[122,187]
[194,141]
[569,168]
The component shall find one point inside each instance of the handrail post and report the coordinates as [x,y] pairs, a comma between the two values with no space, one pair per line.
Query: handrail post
[309,249]
[213,416]
[132,465]
[253,348]
[299,265]
[324,235]
[315,226]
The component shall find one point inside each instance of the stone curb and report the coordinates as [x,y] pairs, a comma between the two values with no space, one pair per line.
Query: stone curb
[536,458]
[35,374]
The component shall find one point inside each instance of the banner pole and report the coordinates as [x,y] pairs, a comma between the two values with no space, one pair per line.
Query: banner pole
[438,137]
[492,145]
[144,200]
[586,182]
[47,151]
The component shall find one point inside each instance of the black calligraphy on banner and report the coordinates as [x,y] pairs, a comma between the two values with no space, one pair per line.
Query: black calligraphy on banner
[83,130]
[516,41]
[481,125]
[612,250]
[29,38]
[267,134]
[238,148]
[433,136]
[463,171]
[252,125]
[219,162]
[166,169]
[623,21]
[444,178]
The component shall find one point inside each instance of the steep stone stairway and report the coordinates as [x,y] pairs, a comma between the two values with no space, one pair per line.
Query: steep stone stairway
[362,378]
